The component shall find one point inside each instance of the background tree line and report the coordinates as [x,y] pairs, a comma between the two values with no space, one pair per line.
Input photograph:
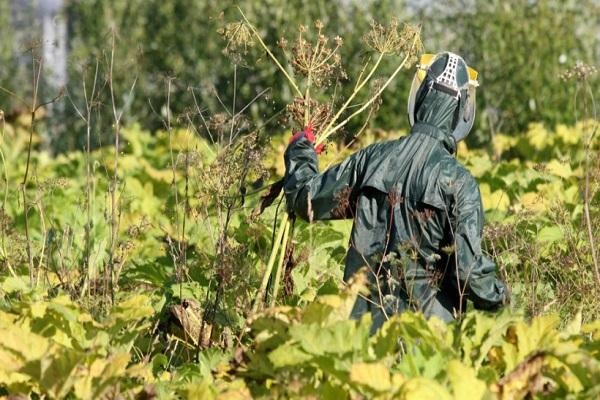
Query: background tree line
[177,44]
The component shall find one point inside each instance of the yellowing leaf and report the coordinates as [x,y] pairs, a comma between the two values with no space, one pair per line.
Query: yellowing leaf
[574,326]
[503,143]
[538,136]
[38,309]
[497,200]
[374,375]
[560,169]
[569,135]
[465,384]
[423,389]
[533,202]
[15,284]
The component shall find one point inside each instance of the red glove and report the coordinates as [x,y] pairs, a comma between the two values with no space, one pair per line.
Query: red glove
[307,133]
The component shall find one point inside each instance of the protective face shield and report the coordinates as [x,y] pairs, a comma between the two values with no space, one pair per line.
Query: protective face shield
[448,73]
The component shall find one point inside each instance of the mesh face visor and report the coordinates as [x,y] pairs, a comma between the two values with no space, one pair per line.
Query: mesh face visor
[447,73]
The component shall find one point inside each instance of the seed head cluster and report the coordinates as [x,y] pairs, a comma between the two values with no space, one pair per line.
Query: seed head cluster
[239,40]
[316,59]
[319,113]
[235,164]
[390,39]
[579,71]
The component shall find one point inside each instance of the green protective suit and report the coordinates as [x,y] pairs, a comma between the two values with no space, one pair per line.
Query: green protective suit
[418,218]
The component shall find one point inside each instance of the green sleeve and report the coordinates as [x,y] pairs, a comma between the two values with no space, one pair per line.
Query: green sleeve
[315,196]
[476,273]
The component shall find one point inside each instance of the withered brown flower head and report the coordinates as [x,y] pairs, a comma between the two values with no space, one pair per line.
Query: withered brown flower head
[222,123]
[319,114]
[282,43]
[579,71]
[390,39]
[221,179]
[188,159]
[239,39]
[317,60]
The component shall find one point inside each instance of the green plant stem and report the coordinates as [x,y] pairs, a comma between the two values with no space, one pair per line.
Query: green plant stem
[264,46]
[280,264]
[587,196]
[4,202]
[360,84]
[284,226]
[36,78]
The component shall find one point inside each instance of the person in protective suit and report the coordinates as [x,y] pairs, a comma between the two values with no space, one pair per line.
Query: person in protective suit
[418,216]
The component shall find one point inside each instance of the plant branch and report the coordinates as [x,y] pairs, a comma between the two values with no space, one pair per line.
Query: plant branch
[329,132]
[264,46]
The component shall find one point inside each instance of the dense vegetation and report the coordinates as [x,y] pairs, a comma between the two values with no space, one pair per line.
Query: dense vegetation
[161,41]
[146,262]
[178,321]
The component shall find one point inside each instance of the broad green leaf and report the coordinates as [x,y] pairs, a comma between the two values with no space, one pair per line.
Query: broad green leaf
[287,355]
[338,338]
[550,234]
[14,284]
[480,165]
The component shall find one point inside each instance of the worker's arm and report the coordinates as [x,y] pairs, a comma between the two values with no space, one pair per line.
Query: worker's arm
[315,196]
[474,274]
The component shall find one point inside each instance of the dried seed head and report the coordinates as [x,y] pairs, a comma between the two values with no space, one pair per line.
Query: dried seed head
[188,159]
[390,40]
[319,114]
[239,40]
[282,43]
[375,91]
[222,124]
[221,180]
[53,183]
[319,25]
[317,59]
[579,71]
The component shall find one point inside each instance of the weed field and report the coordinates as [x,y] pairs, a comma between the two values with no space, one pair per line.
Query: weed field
[175,318]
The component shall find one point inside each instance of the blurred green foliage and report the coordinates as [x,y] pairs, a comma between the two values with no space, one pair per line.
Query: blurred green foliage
[519,48]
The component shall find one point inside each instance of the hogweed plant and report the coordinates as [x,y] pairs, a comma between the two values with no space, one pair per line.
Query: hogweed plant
[581,73]
[33,106]
[316,64]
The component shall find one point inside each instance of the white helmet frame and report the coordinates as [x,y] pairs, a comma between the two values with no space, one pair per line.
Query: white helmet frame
[446,81]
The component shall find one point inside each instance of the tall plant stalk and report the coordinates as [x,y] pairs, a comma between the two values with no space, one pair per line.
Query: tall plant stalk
[587,195]
[37,70]
[114,207]
[4,252]
[580,72]
[385,40]
[90,100]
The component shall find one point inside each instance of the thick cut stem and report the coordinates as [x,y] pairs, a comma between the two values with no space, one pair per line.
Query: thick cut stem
[280,264]
[284,226]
